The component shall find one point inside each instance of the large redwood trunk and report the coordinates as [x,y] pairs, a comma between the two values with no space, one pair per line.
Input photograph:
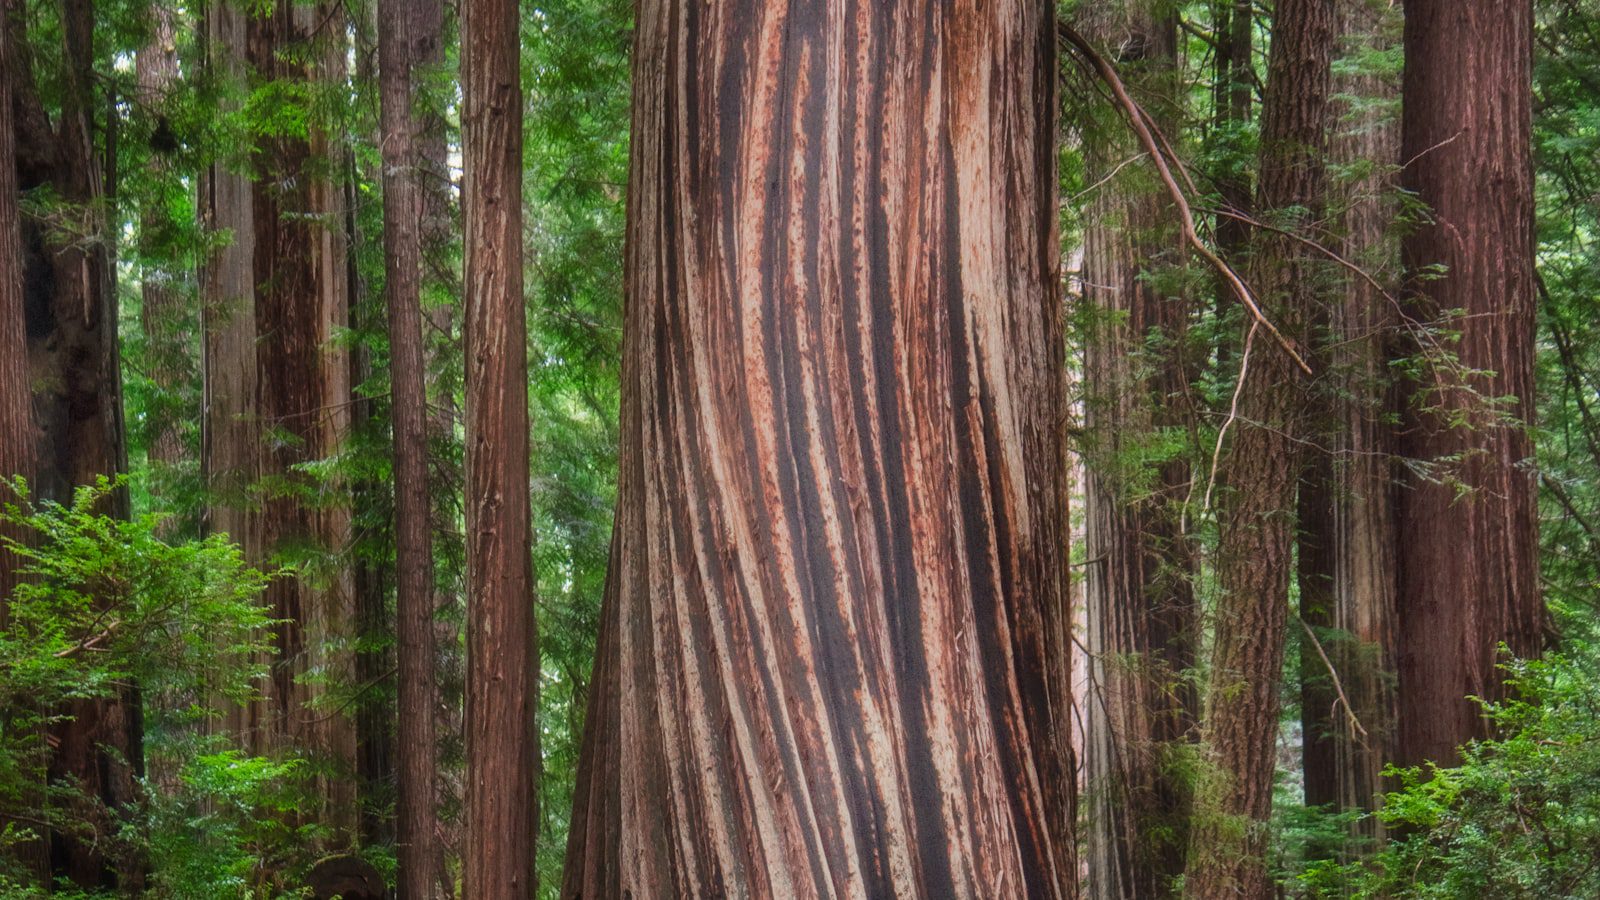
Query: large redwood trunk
[1259,469]
[1346,564]
[399,49]
[302,394]
[1141,618]
[834,658]
[1469,575]
[502,645]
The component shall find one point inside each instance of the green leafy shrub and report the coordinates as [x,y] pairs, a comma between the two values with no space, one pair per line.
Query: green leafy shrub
[1518,818]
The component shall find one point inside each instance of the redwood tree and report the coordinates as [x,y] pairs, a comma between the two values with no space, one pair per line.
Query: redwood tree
[1469,575]
[502,653]
[417,844]
[1142,626]
[1259,468]
[302,393]
[834,658]
[1346,553]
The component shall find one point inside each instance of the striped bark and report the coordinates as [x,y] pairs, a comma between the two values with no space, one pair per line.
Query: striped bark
[1346,572]
[302,395]
[1142,622]
[502,644]
[1469,576]
[416,826]
[833,659]
[1260,470]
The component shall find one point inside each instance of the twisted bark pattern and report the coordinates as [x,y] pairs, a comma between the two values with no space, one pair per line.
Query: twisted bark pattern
[833,659]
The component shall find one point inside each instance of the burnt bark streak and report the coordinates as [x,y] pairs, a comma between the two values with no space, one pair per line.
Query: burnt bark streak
[834,656]
[1468,567]
[301,399]
[416,753]
[1256,522]
[1346,563]
[1141,615]
[502,654]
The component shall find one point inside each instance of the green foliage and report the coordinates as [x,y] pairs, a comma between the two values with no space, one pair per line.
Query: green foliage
[105,603]
[1518,818]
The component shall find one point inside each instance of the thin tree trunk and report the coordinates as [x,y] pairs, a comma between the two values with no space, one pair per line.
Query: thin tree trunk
[19,439]
[303,392]
[502,646]
[1260,470]
[161,309]
[1346,563]
[230,429]
[1141,615]
[1468,563]
[403,209]
[834,657]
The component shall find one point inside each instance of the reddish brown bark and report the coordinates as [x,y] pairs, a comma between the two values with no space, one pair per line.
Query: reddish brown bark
[302,395]
[1142,625]
[1259,470]
[502,649]
[1468,563]
[834,656]
[399,50]
[1346,562]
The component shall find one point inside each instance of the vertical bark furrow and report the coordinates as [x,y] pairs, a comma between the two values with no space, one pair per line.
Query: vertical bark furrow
[833,661]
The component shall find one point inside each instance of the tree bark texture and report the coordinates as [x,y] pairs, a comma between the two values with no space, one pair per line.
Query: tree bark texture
[1347,527]
[230,430]
[302,395]
[1142,624]
[161,307]
[502,648]
[403,214]
[834,658]
[1259,468]
[1468,567]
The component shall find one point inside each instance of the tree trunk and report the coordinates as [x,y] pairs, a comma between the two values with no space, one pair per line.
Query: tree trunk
[1346,563]
[74,369]
[230,429]
[502,647]
[1468,567]
[19,439]
[1142,625]
[1260,469]
[417,763]
[161,307]
[302,395]
[834,659]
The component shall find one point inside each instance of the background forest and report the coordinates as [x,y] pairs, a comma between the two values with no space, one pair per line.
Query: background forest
[1327,334]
